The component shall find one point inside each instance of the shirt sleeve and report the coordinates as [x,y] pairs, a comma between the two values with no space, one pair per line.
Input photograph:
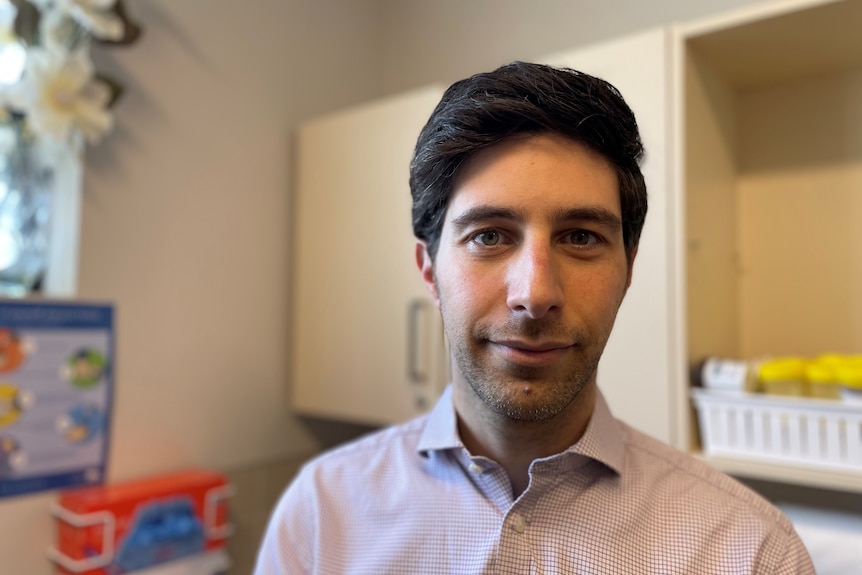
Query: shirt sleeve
[794,560]
[287,545]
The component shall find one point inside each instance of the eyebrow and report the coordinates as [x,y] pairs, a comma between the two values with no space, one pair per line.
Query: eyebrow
[595,214]
[484,213]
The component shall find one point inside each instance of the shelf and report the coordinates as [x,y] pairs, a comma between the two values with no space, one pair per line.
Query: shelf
[752,469]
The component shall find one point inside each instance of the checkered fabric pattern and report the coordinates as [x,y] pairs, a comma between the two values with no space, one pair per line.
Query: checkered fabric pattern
[411,499]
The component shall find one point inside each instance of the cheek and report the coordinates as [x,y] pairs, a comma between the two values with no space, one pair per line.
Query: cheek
[470,294]
[603,290]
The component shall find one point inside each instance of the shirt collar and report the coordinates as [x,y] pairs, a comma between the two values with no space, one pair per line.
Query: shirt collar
[441,430]
[602,441]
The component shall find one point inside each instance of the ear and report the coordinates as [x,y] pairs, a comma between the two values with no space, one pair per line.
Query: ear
[426,270]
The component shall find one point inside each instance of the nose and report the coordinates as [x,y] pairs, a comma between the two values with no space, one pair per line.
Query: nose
[534,285]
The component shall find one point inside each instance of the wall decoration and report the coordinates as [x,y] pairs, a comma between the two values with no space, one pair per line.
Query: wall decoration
[56,382]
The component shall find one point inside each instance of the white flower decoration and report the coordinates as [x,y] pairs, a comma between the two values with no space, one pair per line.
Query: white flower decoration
[92,15]
[60,95]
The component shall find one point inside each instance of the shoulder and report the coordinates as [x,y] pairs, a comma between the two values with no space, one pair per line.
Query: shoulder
[326,487]
[368,455]
[691,482]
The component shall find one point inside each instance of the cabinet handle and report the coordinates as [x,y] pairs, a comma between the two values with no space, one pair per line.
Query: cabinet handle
[413,372]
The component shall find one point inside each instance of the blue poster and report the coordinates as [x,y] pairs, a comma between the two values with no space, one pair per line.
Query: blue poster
[56,383]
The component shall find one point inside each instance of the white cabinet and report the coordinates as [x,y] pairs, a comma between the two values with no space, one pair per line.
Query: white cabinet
[367,344]
[635,373]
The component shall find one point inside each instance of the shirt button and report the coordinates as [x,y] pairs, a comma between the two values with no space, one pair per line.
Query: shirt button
[475,468]
[520,524]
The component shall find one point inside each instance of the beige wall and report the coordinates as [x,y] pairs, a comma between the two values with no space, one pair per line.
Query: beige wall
[187,205]
[185,228]
[186,218]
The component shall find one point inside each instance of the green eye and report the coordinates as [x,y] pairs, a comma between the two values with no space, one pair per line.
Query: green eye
[582,238]
[490,238]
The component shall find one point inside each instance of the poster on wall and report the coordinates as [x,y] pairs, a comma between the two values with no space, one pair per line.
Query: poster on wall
[56,383]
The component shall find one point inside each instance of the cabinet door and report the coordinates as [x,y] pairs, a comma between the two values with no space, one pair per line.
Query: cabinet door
[635,370]
[367,342]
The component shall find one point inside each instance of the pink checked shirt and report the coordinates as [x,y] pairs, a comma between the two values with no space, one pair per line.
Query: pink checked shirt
[411,499]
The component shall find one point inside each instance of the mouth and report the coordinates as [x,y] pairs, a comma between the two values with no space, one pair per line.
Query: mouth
[531,353]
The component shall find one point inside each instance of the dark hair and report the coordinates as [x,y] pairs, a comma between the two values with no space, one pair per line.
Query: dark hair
[517,99]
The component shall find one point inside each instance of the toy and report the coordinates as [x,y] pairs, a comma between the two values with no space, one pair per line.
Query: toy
[126,527]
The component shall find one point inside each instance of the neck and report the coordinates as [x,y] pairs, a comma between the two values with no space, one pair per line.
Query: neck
[516,444]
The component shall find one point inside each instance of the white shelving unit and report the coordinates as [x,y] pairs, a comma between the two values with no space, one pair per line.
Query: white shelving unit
[768,135]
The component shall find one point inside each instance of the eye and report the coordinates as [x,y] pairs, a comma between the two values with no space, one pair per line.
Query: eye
[581,238]
[488,238]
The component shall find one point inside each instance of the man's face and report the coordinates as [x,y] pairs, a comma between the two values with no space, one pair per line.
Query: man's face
[530,272]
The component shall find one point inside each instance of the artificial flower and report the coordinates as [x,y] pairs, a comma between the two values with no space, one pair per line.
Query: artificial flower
[60,95]
[95,16]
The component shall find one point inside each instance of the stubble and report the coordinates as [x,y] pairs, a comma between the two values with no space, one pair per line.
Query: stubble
[519,392]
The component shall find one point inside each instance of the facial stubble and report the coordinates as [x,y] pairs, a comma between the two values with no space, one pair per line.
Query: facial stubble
[520,392]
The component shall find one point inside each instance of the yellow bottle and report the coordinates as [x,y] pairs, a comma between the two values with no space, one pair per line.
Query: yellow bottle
[784,376]
[822,377]
[849,374]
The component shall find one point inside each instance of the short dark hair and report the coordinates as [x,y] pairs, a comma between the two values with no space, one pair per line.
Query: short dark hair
[521,99]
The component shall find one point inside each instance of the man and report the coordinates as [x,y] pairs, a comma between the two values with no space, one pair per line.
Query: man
[528,203]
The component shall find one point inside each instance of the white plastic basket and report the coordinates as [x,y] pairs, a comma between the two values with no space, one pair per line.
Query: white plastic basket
[810,432]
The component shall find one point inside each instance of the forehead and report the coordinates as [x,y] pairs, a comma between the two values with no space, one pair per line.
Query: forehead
[538,176]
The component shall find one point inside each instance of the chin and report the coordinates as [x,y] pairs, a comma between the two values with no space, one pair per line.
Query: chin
[530,400]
